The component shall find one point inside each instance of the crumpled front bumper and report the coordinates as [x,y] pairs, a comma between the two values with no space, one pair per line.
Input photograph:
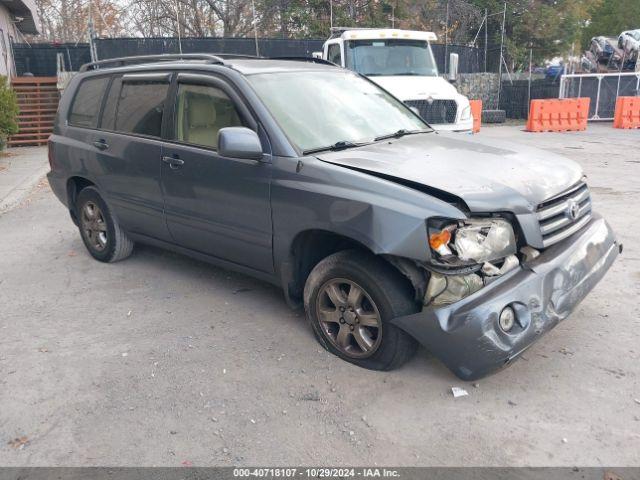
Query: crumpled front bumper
[466,335]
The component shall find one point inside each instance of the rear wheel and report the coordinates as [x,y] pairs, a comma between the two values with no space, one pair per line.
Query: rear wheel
[99,229]
[350,297]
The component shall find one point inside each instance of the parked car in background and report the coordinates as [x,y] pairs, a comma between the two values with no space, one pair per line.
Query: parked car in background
[315,179]
[402,62]
[554,72]
[629,42]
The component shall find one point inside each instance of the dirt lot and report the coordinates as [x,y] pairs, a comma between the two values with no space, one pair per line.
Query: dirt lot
[160,360]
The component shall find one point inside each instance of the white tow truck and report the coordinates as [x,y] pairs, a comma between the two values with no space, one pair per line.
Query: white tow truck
[402,62]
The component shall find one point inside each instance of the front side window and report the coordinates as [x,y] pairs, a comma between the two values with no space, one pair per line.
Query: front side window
[201,111]
[320,108]
[333,54]
[140,107]
[87,102]
[390,57]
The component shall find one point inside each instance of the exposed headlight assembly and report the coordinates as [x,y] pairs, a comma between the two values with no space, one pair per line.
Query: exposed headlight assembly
[473,241]
[463,257]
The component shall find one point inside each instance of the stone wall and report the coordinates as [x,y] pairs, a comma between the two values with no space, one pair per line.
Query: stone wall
[479,86]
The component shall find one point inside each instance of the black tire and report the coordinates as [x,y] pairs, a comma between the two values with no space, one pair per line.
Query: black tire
[115,245]
[493,116]
[391,294]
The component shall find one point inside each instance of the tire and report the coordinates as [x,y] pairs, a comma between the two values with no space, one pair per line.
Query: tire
[100,232]
[386,293]
[493,116]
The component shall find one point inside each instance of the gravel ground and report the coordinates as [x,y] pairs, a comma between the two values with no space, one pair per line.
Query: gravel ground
[160,360]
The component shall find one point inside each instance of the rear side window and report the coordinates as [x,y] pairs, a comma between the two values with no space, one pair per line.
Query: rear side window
[109,112]
[87,102]
[140,108]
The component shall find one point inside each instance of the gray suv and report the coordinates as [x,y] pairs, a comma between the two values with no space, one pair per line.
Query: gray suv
[315,179]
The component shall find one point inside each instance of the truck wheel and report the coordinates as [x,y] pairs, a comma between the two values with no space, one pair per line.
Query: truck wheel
[99,230]
[349,299]
[493,116]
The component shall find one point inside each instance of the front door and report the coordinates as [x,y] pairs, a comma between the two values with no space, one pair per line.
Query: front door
[214,205]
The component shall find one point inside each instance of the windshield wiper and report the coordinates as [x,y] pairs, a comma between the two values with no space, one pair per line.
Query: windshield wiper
[401,133]
[341,145]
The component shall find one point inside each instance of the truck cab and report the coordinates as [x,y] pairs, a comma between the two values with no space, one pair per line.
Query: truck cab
[402,62]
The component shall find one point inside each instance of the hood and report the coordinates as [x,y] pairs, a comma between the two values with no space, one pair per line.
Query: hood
[416,87]
[488,175]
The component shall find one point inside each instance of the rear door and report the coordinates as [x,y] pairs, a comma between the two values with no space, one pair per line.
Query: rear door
[129,146]
[215,205]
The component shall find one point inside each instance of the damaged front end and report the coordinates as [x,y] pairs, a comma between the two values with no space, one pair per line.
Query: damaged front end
[486,298]
[467,255]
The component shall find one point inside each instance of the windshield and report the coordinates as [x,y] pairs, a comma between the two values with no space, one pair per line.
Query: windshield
[390,57]
[321,108]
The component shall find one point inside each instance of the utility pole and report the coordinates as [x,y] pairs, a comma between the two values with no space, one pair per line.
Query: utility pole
[446,37]
[330,15]
[486,37]
[255,26]
[504,19]
[178,27]
[92,45]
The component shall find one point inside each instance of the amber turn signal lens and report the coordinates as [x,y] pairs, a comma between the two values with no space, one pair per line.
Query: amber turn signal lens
[437,240]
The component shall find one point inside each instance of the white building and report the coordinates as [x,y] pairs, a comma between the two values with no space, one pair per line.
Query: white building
[17,18]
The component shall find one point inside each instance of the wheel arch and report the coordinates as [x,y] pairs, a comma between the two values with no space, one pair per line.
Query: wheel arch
[310,247]
[75,185]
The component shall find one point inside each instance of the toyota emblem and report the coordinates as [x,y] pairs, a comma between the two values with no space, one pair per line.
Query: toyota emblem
[573,209]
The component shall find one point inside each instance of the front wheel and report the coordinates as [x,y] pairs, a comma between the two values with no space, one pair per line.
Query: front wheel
[350,297]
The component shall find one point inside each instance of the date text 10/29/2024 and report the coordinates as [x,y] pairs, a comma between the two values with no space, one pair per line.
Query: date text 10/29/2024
[316,472]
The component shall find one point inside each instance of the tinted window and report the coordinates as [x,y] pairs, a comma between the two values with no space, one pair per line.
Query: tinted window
[333,54]
[201,112]
[86,105]
[109,113]
[140,108]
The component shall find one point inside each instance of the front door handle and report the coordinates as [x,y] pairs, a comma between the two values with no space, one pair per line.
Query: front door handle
[101,144]
[173,162]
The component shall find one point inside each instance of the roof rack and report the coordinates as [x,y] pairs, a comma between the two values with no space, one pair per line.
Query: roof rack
[122,61]
[306,59]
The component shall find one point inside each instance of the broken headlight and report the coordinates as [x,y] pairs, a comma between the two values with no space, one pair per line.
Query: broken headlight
[471,241]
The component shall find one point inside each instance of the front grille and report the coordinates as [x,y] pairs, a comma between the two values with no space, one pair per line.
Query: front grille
[436,112]
[564,214]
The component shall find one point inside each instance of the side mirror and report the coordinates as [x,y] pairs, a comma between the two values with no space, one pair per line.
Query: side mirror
[239,142]
[453,67]
[317,55]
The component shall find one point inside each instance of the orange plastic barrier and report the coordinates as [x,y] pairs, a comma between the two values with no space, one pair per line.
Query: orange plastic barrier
[627,113]
[558,115]
[476,111]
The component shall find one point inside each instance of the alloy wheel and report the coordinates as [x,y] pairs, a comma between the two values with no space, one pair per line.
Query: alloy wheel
[94,226]
[349,318]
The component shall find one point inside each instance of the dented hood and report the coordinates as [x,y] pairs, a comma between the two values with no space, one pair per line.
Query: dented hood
[487,174]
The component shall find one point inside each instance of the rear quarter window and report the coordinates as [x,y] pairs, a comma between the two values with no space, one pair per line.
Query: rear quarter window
[87,102]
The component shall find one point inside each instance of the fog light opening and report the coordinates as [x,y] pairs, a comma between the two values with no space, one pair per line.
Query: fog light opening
[507,319]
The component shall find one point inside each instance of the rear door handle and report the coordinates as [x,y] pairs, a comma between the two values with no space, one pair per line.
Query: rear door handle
[100,144]
[173,162]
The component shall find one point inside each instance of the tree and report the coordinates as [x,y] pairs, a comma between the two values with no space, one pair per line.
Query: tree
[8,112]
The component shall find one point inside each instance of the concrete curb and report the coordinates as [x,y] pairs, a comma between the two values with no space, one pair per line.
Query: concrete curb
[21,191]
